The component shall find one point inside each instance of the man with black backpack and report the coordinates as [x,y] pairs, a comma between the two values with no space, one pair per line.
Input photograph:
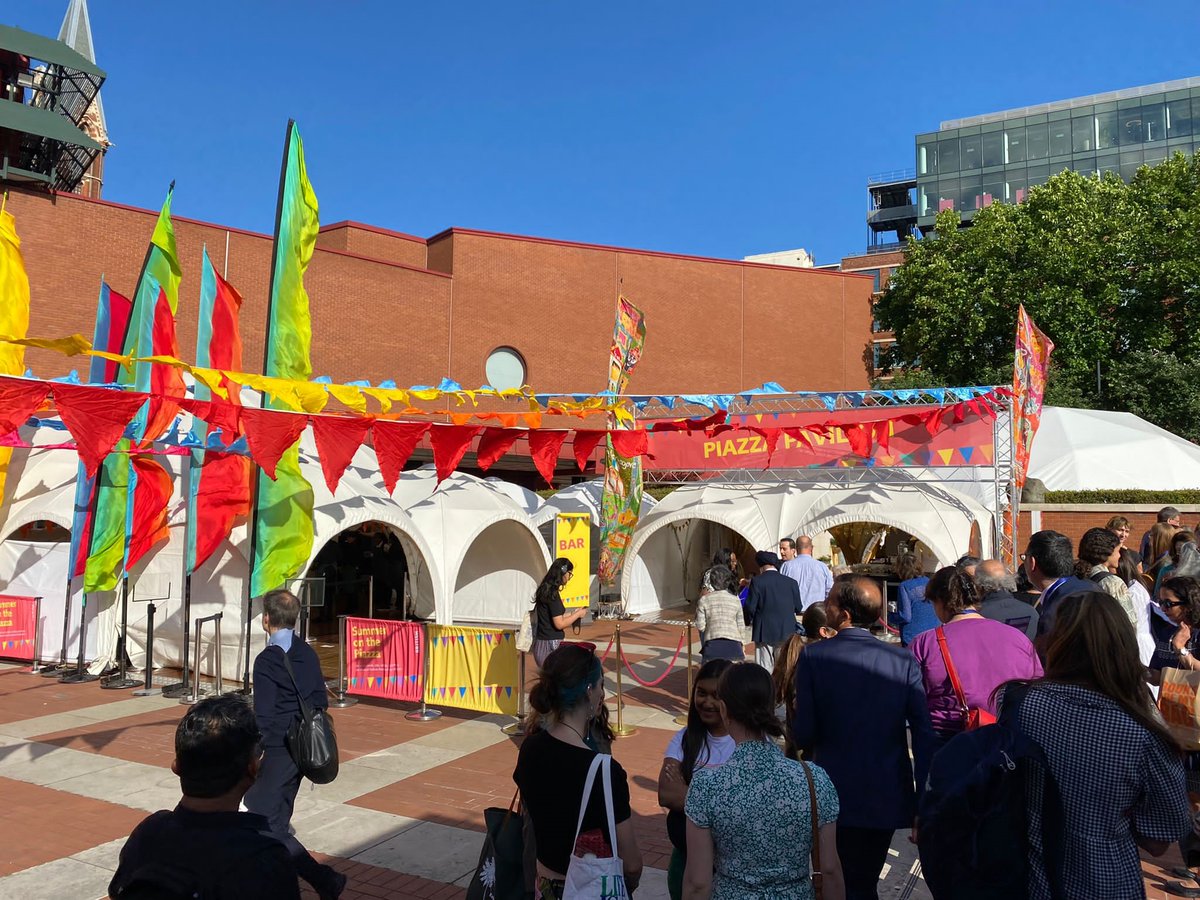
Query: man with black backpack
[287,677]
[205,848]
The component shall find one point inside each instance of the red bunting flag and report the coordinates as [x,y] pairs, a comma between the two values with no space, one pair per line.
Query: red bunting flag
[394,444]
[270,434]
[544,447]
[150,501]
[450,443]
[338,439]
[494,444]
[770,437]
[166,382]
[585,445]
[96,418]
[19,399]
[883,435]
[631,443]
[859,437]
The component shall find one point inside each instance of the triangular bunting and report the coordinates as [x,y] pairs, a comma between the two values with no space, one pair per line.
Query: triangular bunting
[584,445]
[630,443]
[945,455]
[394,444]
[338,439]
[544,447]
[985,450]
[270,434]
[493,444]
[19,399]
[966,453]
[450,443]
[96,418]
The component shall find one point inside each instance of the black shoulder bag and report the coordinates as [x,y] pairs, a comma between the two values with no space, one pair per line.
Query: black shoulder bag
[310,739]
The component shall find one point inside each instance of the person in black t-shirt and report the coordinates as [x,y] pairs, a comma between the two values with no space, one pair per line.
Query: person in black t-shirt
[553,764]
[205,847]
[552,616]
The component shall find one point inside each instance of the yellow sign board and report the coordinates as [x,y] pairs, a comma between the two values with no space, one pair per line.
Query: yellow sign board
[573,540]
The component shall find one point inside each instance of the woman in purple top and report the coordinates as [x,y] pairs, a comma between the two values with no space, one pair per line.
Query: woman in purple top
[985,653]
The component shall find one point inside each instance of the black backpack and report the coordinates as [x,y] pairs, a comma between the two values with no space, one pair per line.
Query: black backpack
[972,833]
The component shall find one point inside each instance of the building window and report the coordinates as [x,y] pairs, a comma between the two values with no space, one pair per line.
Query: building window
[1179,118]
[505,369]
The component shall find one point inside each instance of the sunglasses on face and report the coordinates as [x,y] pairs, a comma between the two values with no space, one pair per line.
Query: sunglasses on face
[1171,604]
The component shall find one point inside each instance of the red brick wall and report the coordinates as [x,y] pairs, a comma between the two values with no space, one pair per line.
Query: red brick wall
[714,326]
[1075,521]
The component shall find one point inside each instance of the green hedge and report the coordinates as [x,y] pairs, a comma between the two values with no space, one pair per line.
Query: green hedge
[1157,498]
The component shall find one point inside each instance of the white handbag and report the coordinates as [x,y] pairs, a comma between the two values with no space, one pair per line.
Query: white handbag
[525,632]
[589,878]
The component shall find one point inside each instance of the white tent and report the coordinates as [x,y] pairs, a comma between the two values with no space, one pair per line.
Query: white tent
[1091,449]
[674,543]
[533,505]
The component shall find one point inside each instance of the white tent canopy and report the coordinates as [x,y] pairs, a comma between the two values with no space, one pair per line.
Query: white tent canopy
[675,542]
[1091,449]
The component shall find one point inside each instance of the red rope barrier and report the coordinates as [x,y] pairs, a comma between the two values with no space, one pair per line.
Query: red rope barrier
[604,658]
[661,678]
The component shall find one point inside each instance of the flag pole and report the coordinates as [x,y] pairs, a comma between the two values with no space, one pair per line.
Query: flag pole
[258,473]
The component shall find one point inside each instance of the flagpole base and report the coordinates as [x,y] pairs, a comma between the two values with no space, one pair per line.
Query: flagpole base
[175,690]
[117,683]
[342,702]
[424,715]
[78,678]
[514,728]
[147,692]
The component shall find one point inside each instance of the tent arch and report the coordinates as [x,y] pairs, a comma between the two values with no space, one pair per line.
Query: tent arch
[489,593]
[937,544]
[640,588]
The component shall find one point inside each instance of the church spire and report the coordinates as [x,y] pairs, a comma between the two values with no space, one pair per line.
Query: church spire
[76,33]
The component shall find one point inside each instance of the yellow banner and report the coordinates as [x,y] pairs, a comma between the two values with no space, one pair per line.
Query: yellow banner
[573,541]
[471,668]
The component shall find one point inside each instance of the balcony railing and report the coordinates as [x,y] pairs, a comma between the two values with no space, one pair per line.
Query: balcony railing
[895,175]
[891,214]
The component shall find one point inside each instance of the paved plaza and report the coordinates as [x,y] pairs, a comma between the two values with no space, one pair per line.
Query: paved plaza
[81,766]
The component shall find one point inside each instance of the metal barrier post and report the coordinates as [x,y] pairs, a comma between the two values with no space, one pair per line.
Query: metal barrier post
[682,718]
[341,701]
[424,714]
[370,596]
[121,680]
[147,690]
[622,730]
[37,630]
[81,674]
[194,696]
[518,727]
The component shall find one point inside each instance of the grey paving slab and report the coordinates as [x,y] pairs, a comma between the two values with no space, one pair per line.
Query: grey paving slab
[345,831]
[103,856]
[430,850]
[405,760]
[62,879]
[131,784]
[47,764]
[353,780]
[465,737]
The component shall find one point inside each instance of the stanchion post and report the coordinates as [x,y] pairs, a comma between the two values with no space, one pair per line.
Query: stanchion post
[341,701]
[682,718]
[194,696]
[622,730]
[121,680]
[37,630]
[424,714]
[147,690]
[518,727]
[217,687]
[370,596]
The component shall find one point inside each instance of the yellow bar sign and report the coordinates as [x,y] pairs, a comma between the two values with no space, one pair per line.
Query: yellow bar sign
[573,540]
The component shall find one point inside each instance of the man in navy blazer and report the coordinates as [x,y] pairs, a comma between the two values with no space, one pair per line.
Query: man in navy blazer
[276,707]
[772,605]
[857,700]
[1050,566]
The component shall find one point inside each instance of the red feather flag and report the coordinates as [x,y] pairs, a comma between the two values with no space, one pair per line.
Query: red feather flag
[150,503]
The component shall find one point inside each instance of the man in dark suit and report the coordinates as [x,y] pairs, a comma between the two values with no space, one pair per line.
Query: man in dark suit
[772,605]
[277,707]
[996,586]
[1050,565]
[857,699]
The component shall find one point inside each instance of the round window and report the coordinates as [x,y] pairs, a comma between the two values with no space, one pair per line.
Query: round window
[505,369]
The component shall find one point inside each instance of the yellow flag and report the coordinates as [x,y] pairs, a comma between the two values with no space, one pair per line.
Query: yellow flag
[14,312]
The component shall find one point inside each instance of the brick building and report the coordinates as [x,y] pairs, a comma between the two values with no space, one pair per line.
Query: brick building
[390,305]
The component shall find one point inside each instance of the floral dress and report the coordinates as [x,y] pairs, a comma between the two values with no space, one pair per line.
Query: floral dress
[757,808]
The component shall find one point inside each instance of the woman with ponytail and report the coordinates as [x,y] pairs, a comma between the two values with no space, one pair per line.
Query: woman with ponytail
[750,822]
[567,705]
[984,654]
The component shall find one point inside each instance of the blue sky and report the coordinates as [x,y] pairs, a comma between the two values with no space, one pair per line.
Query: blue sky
[716,129]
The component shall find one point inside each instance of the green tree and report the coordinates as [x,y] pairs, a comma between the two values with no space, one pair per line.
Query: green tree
[1110,271]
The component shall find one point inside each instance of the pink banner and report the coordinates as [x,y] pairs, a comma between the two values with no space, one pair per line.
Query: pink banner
[18,626]
[385,659]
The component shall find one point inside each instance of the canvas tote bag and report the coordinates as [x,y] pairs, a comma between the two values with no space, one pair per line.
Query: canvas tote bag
[589,878]
[1179,702]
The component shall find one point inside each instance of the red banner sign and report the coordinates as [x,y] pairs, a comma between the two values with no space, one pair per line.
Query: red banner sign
[385,659]
[900,436]
[18,626]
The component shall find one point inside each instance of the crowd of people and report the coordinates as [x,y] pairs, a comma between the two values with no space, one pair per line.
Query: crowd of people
[801,764]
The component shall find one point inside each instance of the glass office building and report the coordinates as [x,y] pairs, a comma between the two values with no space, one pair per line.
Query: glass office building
[971,163]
